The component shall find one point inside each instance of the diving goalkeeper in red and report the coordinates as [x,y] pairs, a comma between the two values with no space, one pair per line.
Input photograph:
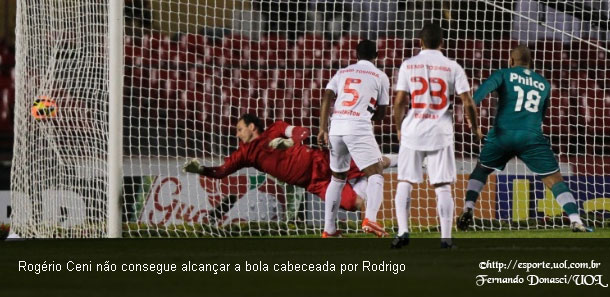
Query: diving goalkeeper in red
[278,151]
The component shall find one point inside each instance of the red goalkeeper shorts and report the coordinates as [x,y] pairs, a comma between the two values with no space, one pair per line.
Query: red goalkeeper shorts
[320,179]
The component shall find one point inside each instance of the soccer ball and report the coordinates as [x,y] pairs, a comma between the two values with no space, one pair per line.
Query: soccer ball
[44,108]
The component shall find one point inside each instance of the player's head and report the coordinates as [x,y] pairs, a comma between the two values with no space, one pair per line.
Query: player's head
[520,56]
[431,36]
[248,127]
[366,50]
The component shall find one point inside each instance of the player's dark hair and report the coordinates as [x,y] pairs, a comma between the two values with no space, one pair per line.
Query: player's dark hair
[249,118]
[366,50]
[521,55]
[431,35]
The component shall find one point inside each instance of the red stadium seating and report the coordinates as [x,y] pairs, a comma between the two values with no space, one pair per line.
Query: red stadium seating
[191,109]
[594,112]
[468,53]
[560,121]
[391,52]
[412,48]
[321,77]
[133,55]
[138,83]
[255,81]
[293,111]
[558,116]
[274,52]
[290,78]
[477,76]
[475,83]
[587,54]
[7,102]
[183,60]
[194,43]
[7,58]
[154,49]
[463,143]
[311,51]
[487,112]
[578,82]
[191,81]
[601,77]
[166,83]
[500,52]
[344,51]
[238,51]
[549,54]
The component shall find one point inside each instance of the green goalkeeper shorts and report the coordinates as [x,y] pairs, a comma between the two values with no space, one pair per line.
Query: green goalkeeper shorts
[530,147]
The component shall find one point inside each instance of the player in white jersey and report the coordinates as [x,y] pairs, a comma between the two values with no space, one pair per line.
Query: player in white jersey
[362,94]
[427,131]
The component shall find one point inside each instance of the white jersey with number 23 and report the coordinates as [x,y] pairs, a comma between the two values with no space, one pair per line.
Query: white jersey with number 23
[430,78]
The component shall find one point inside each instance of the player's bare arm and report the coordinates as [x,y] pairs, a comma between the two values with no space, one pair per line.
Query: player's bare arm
[471,115]
[400,105]
[324,114]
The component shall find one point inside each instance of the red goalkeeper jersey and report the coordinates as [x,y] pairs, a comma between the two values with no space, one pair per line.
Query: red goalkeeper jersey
[292,165]
[298,165]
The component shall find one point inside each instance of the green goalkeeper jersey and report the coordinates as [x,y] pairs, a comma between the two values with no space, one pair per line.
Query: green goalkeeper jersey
[523,98]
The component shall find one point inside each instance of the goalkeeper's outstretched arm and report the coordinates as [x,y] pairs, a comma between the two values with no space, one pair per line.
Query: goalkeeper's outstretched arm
[233,162]
[193,166]
[218,172]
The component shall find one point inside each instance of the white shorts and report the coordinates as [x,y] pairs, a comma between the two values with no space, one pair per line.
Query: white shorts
[362,148]
[440,165]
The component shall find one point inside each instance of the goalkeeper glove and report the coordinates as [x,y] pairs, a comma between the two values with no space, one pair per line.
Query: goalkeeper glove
[191,166]
[281,143]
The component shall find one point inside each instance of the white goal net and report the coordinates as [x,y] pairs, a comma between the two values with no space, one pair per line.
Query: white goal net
[192,68]
[59,177]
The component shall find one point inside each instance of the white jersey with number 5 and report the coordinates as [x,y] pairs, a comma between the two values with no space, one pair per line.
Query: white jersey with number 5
[360,88]
[430,78]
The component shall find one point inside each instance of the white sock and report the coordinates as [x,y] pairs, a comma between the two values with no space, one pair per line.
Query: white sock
[476,186]
[575,218]
[331,204]
[403,204]
[374,194]
[445,206]
[565,198]
[360,187]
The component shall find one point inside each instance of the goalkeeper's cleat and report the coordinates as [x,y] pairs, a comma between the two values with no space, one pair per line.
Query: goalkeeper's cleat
[465,220]
[400,241]
[447,244]
[337,234]
[372,227]
[579,227]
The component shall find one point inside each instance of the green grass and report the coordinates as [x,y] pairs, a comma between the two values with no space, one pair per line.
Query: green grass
[554,233]
[299,230]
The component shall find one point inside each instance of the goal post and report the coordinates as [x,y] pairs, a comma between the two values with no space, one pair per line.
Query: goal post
[115,116]
[139,87]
